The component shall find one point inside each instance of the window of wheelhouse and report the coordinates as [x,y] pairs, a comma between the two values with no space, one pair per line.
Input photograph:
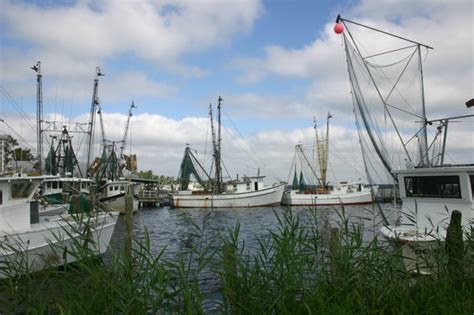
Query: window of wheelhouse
[21,189]
[432,186]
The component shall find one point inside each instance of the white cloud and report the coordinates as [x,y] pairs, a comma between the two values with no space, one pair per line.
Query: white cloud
[158,31]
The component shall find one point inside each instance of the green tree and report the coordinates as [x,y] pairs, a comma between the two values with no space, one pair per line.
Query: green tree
[12,152]
[22,154]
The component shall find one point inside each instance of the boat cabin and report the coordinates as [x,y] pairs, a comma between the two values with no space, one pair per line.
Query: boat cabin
[429,195]
[116,188]
[58,185]
[16,192]
[247,184]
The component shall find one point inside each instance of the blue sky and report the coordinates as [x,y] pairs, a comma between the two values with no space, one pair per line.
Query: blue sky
[275,63]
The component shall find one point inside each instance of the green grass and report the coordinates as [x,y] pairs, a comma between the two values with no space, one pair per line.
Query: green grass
[297,269]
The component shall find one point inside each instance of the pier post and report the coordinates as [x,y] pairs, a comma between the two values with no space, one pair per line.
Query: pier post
[334,245]
[455,247]
[75,206]
[128,220]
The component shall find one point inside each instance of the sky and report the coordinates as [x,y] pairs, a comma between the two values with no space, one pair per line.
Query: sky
[276,64]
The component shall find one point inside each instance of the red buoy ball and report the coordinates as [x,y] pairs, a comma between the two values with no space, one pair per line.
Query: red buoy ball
[338,28]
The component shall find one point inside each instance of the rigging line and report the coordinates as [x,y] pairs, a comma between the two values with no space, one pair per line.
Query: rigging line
[358,109]
[253,155]
[400,76]
[371,181]
[310,167]
[293,164]
[380,66]
[402,110]
[332,171]
[384,32]
[414,136]
[12,101]
[225,167]
[204,155]
[383,74]
[361,108]
[379,93]
[389,51]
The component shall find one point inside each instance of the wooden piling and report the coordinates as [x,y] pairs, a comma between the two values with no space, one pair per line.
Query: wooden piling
[455,247]
[75,203]
[128,220]
[334,245]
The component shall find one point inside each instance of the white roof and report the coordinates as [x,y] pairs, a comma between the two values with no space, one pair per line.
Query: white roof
[438,170]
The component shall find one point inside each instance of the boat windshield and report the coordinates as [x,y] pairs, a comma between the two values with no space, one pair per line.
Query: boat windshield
[22,189]
[432,186]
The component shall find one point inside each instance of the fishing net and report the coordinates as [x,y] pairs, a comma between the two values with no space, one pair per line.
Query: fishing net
[386,78]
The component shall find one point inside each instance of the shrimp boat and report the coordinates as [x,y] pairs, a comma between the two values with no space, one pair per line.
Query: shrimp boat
[322,194]
[57,192]
[30,242]
[389,105]
[66,182]
[108,169]
[215,193]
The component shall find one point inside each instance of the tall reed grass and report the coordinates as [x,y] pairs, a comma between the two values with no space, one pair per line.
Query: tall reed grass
[296,269]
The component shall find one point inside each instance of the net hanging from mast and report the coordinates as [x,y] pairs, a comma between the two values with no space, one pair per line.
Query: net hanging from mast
[386,77]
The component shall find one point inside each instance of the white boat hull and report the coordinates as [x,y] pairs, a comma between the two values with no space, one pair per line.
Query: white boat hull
[117,203]
[417,247]
[44,244]
[265,197]
[294,198]
[48,210]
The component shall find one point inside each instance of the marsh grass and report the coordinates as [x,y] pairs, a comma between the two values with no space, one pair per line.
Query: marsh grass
[297,268]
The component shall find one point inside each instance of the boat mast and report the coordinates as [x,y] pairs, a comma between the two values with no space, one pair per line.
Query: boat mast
[425,161]
[102,129]
[94,104]
[219,148]
[124,139]
[326,153]
[39,113]
[214,142]
[322,146]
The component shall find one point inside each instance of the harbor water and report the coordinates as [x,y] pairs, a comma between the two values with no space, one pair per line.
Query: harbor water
[173,231]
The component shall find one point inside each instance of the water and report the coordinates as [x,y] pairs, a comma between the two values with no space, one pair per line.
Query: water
[175,230]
